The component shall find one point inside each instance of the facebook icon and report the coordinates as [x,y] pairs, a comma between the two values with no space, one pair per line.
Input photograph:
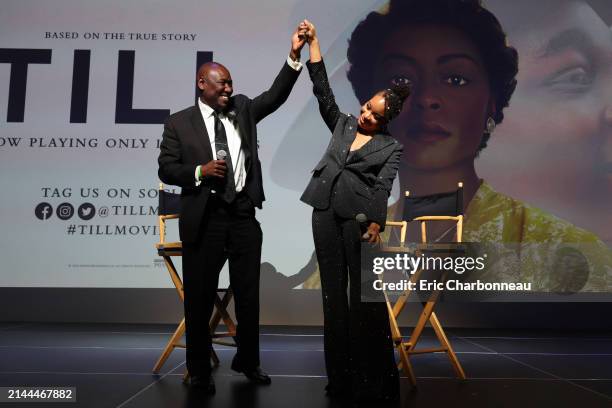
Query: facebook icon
[43,211]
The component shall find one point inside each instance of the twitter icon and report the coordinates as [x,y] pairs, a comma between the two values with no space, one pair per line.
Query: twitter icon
[86,211]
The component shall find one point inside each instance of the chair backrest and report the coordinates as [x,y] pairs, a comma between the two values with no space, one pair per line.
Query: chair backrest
[440,204]
[169,207]
[169,203]
[446,206]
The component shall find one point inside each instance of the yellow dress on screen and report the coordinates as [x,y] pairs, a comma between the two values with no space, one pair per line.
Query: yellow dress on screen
[527,244]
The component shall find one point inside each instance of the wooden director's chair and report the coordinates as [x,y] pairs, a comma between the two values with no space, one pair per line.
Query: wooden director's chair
[169,208]
[424,209]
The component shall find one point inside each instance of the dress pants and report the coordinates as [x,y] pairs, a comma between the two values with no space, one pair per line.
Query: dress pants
[359,354]
[228,232]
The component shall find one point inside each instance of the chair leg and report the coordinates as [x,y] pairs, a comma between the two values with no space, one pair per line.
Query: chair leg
[435,323]
[405,363]
[420,325]
[176,279]
[178,333]
[401,346]
[214,357]
[216,317]
[229,323]
[400,304]
[221,313]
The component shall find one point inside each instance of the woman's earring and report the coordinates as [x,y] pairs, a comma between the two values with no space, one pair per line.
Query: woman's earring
[490,125]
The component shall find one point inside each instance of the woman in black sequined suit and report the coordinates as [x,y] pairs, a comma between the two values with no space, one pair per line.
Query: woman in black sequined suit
[353,178]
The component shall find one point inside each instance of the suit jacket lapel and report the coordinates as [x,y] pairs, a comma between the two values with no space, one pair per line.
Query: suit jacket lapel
[237,115]
[201,132]
[347,138]
[377,143]
[244,132]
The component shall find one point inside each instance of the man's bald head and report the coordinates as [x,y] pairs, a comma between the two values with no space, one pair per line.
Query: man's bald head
[215,84]
[205,69]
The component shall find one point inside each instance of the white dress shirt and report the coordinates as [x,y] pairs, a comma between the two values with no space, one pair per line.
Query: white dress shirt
[233,138]
[234,143]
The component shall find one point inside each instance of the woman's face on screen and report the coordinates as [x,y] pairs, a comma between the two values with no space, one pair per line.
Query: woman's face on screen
[559,123]
[442,122]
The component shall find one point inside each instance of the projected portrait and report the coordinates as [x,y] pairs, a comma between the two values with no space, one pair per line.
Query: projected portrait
[464,75]
[554,149]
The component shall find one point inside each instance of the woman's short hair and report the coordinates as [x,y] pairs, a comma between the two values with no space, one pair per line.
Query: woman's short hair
[468,16]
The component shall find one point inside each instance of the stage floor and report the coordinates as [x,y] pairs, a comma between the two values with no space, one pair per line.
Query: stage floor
[110,365]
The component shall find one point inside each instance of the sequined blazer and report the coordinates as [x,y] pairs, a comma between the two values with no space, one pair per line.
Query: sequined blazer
[362,183]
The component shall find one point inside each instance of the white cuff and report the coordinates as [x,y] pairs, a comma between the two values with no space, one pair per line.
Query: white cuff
[297,65]
[197,181]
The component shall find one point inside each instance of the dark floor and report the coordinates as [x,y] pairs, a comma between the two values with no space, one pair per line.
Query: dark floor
[110,365]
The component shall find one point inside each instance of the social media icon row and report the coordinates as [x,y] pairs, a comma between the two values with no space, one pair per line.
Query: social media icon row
[65,211]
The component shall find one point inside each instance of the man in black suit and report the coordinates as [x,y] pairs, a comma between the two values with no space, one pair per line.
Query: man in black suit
[210,150]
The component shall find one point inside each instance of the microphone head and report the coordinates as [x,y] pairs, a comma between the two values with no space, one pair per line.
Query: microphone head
[361,218]
[221,154]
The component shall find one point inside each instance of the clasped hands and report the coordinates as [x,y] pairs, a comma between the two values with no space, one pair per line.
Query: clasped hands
[304,33]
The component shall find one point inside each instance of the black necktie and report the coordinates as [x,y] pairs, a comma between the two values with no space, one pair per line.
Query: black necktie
[228,187]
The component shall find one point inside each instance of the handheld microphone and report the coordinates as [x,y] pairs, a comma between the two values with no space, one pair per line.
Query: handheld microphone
[362,219]
[221,154]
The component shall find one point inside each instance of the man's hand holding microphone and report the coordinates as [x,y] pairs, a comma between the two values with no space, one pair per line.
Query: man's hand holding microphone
[214,168]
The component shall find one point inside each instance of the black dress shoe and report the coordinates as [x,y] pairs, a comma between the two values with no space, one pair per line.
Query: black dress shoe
[256,375]
[204,384]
